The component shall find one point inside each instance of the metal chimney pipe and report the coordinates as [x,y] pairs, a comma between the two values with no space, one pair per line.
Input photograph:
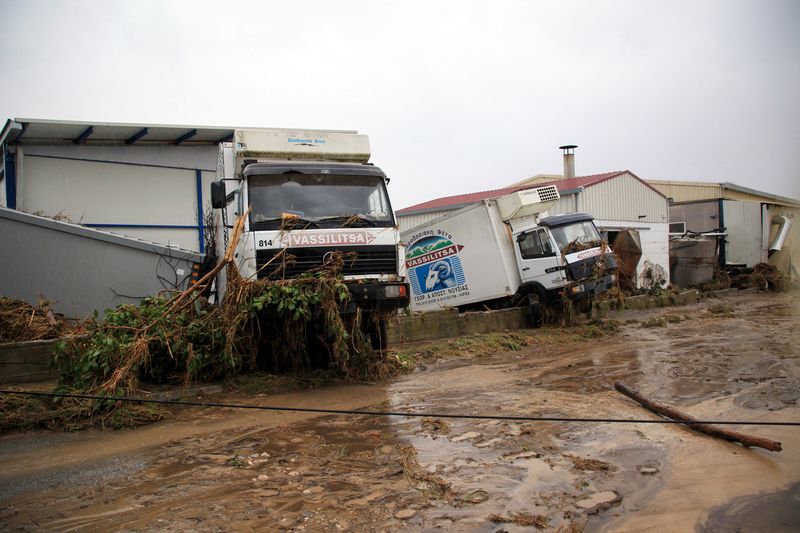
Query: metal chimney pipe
[569,160]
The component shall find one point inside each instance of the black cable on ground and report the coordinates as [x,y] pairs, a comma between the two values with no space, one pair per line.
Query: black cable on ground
[396,413]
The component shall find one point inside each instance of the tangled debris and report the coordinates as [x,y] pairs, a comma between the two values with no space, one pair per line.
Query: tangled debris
[429,484]
[763,276]
[21,321]
[522,519]
[72,414]
[261,324]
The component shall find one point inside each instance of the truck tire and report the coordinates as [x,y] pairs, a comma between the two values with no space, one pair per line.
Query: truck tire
[535,306]
[378,334]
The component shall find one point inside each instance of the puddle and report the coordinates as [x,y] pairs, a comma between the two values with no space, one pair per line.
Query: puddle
[778,512]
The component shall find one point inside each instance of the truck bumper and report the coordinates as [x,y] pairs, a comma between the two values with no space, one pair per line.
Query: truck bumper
[589,288]
[376,297]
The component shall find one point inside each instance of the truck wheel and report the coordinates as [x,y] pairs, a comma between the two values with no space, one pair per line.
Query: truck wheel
[317,351]
[378,334]
[535,305]
[585,306]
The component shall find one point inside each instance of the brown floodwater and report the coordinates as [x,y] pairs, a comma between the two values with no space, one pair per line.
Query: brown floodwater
[226,470]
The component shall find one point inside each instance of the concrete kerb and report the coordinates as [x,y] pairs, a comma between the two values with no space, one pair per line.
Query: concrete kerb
[26,362]
[448,323]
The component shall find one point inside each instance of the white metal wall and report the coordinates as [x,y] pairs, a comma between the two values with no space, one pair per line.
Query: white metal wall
[745,242]
[565,204]
[113,188]
[655,248]
[408,222]
[624,198]
[687,191]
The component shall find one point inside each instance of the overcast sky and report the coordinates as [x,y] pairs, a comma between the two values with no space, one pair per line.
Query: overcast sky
[456,96]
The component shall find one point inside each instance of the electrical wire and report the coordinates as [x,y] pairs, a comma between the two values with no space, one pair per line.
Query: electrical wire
[397,413]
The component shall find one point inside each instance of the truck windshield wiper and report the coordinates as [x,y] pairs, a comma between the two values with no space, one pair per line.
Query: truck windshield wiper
[349,220]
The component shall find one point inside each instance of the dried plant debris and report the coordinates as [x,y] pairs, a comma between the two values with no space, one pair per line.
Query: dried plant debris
[722,311]
[21,321]
[435,425]
[592,465]
[429,484]
[22,413]
[521,519]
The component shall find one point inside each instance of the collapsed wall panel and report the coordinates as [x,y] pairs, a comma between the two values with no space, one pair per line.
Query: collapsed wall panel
[82,270]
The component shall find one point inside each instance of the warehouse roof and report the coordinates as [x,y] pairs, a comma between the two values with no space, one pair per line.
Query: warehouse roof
[37,131]
[694,191]
[565,186]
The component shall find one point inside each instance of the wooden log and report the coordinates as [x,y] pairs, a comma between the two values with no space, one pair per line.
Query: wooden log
[672,413]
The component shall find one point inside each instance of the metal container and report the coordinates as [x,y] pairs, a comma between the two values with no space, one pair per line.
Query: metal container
[692,260]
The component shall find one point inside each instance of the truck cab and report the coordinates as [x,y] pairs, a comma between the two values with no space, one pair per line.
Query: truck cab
[564,256]
[314,197]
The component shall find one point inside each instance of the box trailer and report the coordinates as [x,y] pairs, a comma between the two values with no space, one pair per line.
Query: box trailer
[504,251]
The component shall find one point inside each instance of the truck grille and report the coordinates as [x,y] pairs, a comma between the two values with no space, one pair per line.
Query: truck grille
[358,260]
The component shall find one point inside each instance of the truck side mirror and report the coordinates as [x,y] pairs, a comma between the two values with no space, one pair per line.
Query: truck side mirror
[218,196]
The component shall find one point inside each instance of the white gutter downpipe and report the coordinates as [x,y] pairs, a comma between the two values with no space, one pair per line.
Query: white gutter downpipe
[785,224]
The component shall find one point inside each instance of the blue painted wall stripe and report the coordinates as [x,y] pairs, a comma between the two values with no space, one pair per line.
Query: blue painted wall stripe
[153,226]
[200,218]
[11,180]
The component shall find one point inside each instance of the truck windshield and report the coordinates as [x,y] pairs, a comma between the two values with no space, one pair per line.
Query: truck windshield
[576,236]
[318,200]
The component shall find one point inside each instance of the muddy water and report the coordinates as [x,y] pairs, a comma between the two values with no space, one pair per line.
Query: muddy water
[218,470]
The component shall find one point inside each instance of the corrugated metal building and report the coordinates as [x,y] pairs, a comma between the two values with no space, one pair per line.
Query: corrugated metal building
[618,200]
[749,217]
[140,180]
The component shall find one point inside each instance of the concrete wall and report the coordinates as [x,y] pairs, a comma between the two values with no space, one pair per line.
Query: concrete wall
[25,362]
[80,269]
[449,323]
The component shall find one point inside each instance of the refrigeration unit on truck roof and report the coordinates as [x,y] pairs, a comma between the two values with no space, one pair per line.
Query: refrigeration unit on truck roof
[341,146]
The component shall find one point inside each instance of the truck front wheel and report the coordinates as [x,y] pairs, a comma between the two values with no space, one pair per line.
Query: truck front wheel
[378,334]
[535,306]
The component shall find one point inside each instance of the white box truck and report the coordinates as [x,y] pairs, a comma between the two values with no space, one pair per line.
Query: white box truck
[312,194]
[503,251]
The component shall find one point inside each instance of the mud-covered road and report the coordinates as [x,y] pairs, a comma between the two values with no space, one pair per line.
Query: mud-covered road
[208,469]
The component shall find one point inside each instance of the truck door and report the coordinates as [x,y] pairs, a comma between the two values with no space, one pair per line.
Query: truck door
[538,260]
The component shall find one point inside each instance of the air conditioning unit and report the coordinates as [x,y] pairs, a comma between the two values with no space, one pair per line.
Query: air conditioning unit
[677,228]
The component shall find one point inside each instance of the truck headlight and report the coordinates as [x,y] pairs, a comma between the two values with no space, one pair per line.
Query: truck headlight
[395,291]
[575,289]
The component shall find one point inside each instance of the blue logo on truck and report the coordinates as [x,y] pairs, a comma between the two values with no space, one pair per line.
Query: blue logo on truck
[433,264]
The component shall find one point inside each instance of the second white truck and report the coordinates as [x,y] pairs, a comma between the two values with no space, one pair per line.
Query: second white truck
[504,251]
